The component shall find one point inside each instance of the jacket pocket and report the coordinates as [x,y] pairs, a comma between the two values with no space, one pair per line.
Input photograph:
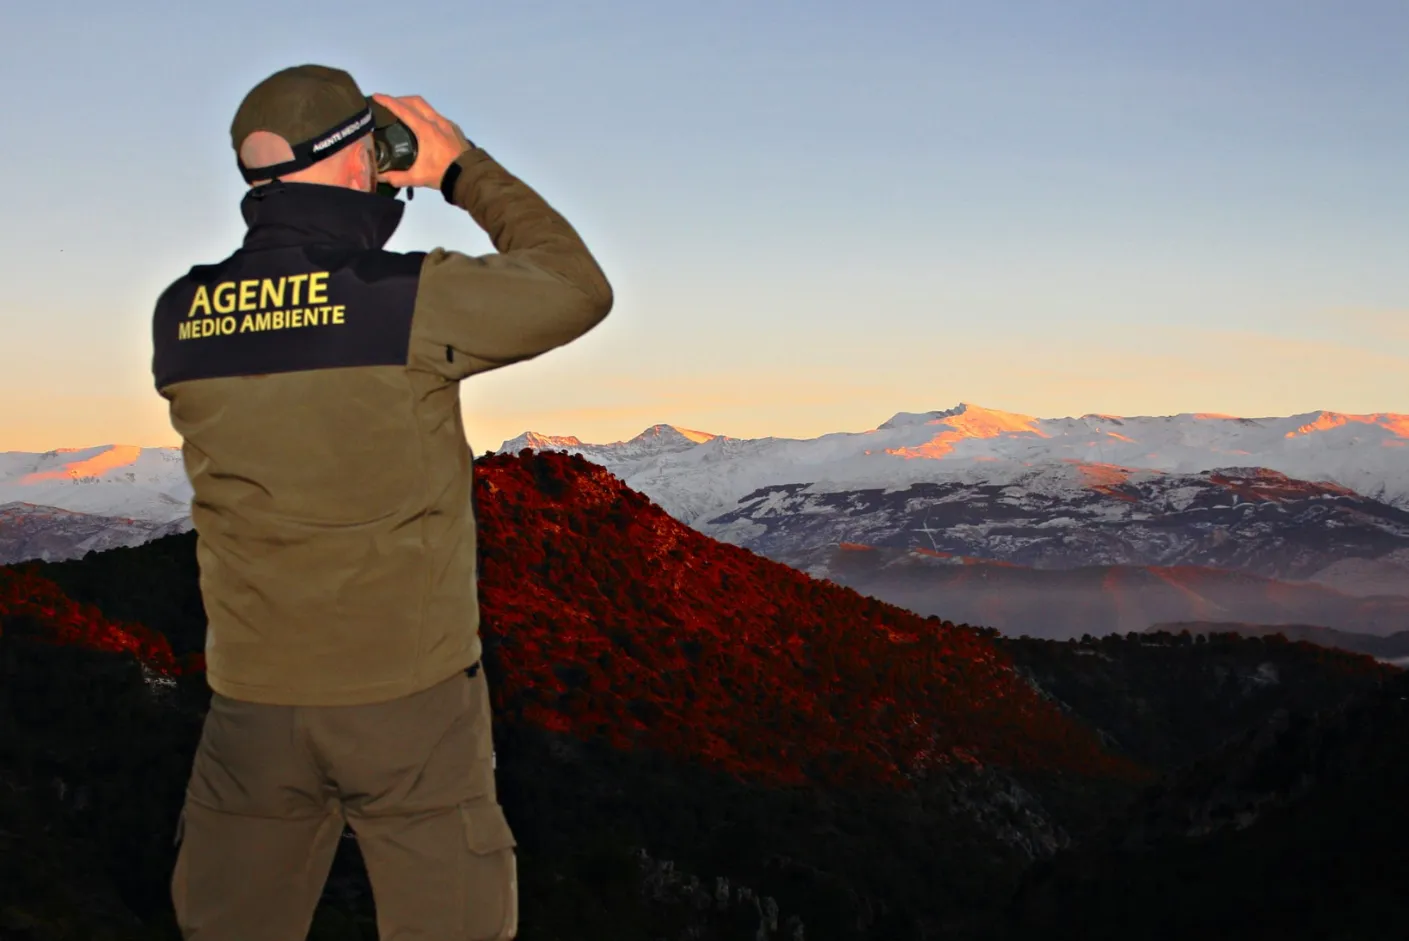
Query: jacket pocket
[492,879]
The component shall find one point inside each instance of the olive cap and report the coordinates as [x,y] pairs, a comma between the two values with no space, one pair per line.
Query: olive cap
[317,109]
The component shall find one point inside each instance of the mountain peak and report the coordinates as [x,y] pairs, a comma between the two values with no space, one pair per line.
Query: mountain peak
[534,441]
[672,434]
[972,421]
[656,439]
[910,419]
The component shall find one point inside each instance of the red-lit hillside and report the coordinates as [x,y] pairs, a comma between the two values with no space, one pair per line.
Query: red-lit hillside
[24,594]
[603,616]
[614,619]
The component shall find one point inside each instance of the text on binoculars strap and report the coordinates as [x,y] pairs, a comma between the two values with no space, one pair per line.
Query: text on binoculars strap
[315,149]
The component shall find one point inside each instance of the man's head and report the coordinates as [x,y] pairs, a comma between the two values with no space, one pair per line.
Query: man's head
[298,114]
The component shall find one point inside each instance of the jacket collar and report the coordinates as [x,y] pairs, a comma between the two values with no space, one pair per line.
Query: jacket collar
[281,214]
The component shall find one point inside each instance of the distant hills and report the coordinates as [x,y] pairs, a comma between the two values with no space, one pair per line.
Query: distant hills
[1061,603]
[1393,648]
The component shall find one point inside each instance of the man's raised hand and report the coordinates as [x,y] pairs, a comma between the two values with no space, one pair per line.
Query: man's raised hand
[439,141]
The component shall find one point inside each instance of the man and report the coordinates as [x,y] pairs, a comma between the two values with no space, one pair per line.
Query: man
[314,379]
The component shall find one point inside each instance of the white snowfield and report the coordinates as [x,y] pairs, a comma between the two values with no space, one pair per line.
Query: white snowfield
[694,475]
[115,480]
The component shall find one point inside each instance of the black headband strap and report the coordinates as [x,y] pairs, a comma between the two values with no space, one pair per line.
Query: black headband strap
[317,148]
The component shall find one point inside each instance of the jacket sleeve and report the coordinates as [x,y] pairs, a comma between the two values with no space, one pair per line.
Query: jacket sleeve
[541,290]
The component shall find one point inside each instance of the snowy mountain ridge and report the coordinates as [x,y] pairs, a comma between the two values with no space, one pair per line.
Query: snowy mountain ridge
[695,475]
[692,472]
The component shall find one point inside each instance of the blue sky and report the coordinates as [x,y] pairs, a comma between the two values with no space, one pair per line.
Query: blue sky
[814,214]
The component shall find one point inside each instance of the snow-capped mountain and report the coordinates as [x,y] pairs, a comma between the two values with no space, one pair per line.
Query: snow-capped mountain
[60,504]
[147,484]
[697,476]
[653,442]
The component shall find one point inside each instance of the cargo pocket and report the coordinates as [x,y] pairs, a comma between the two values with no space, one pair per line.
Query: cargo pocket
[492,879]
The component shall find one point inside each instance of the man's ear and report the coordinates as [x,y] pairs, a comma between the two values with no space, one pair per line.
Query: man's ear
[367,164]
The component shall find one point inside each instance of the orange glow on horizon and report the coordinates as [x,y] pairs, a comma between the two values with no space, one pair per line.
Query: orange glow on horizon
[119,455]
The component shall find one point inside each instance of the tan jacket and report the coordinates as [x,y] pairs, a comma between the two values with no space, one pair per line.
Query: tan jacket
[314,379]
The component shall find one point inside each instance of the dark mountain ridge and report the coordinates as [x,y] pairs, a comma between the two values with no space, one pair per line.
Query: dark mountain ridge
[1390,647]
[1297,829]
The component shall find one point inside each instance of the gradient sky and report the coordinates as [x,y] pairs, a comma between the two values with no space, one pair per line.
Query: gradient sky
[814,214]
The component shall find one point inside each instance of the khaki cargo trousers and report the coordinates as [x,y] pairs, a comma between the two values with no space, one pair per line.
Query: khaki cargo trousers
[272,786]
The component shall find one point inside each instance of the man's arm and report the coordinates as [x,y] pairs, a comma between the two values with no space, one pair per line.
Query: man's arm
[543,289]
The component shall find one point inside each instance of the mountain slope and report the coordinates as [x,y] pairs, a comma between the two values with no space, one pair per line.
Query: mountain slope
[1066,516]
[845,675]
